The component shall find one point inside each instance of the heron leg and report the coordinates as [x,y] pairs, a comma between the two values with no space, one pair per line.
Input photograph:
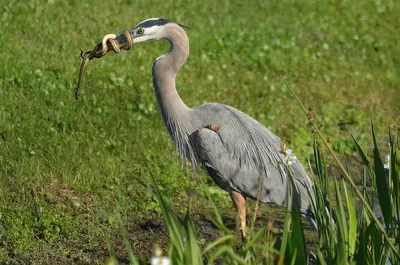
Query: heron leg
[240,203]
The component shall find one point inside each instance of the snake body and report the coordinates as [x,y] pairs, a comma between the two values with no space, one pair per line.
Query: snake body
[108,42]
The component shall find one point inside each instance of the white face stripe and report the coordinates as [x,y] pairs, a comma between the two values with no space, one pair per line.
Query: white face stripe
[153,30]
[149,34]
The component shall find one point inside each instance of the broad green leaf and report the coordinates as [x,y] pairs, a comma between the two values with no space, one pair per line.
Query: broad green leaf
[352,234]
[381,183]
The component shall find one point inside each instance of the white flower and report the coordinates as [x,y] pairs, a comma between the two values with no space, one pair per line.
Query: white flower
[290,157]
[160,261]
[386,165]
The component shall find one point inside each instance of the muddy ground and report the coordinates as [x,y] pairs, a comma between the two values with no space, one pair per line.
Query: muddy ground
[144,235]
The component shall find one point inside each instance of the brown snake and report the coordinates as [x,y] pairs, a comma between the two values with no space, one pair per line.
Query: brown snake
[100,50]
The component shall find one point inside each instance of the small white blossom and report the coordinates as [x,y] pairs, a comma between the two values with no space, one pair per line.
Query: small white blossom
[386,165]
[158,258]
[160,261]
[290,157]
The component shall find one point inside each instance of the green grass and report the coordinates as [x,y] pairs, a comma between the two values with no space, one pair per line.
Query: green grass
[68,168]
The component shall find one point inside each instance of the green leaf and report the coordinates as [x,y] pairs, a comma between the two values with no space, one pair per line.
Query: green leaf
[297,239]
[381,183]
[192,252]
[364,158]
[341,226]
[286,228]
[352,234]
[220,241]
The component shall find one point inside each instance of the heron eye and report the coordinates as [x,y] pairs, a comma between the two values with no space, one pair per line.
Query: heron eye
[140,31]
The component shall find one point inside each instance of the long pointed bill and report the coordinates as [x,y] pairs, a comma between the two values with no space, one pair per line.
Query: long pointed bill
[110,42]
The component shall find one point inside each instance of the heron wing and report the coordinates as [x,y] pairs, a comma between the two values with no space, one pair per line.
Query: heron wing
[245,138]
[228,174]
[242,150]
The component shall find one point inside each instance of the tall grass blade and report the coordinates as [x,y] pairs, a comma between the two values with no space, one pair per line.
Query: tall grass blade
[376,243]
[320,257]
[381,183]
[218,219]
[176,234]
[394,183]
[352,232]
[341,226]
[394,180]
[192,252]
[363,253]
[294,257]
[321,187]
[394,248]
[361,153]
[132,259]
[220,241]
[297,242]
[297,239]
[111,253]
[286,229]
[230,257]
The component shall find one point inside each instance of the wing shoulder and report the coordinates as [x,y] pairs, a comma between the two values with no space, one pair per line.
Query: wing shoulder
[245,138]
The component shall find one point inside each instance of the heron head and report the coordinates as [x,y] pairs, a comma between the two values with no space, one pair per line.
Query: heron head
[149,29]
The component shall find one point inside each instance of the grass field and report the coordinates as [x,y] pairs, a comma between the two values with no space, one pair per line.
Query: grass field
[69,170]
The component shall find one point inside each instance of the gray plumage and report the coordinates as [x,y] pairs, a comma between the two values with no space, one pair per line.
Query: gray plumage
[238,154]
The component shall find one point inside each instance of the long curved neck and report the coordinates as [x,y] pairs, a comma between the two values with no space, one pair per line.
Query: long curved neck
[165,69]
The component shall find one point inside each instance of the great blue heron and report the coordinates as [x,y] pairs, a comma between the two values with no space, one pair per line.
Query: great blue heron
[242,156]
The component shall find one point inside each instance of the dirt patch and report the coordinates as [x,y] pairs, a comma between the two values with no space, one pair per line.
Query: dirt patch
[144,235]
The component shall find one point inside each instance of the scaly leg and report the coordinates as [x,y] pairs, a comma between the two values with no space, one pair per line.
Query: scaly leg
[240,203]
